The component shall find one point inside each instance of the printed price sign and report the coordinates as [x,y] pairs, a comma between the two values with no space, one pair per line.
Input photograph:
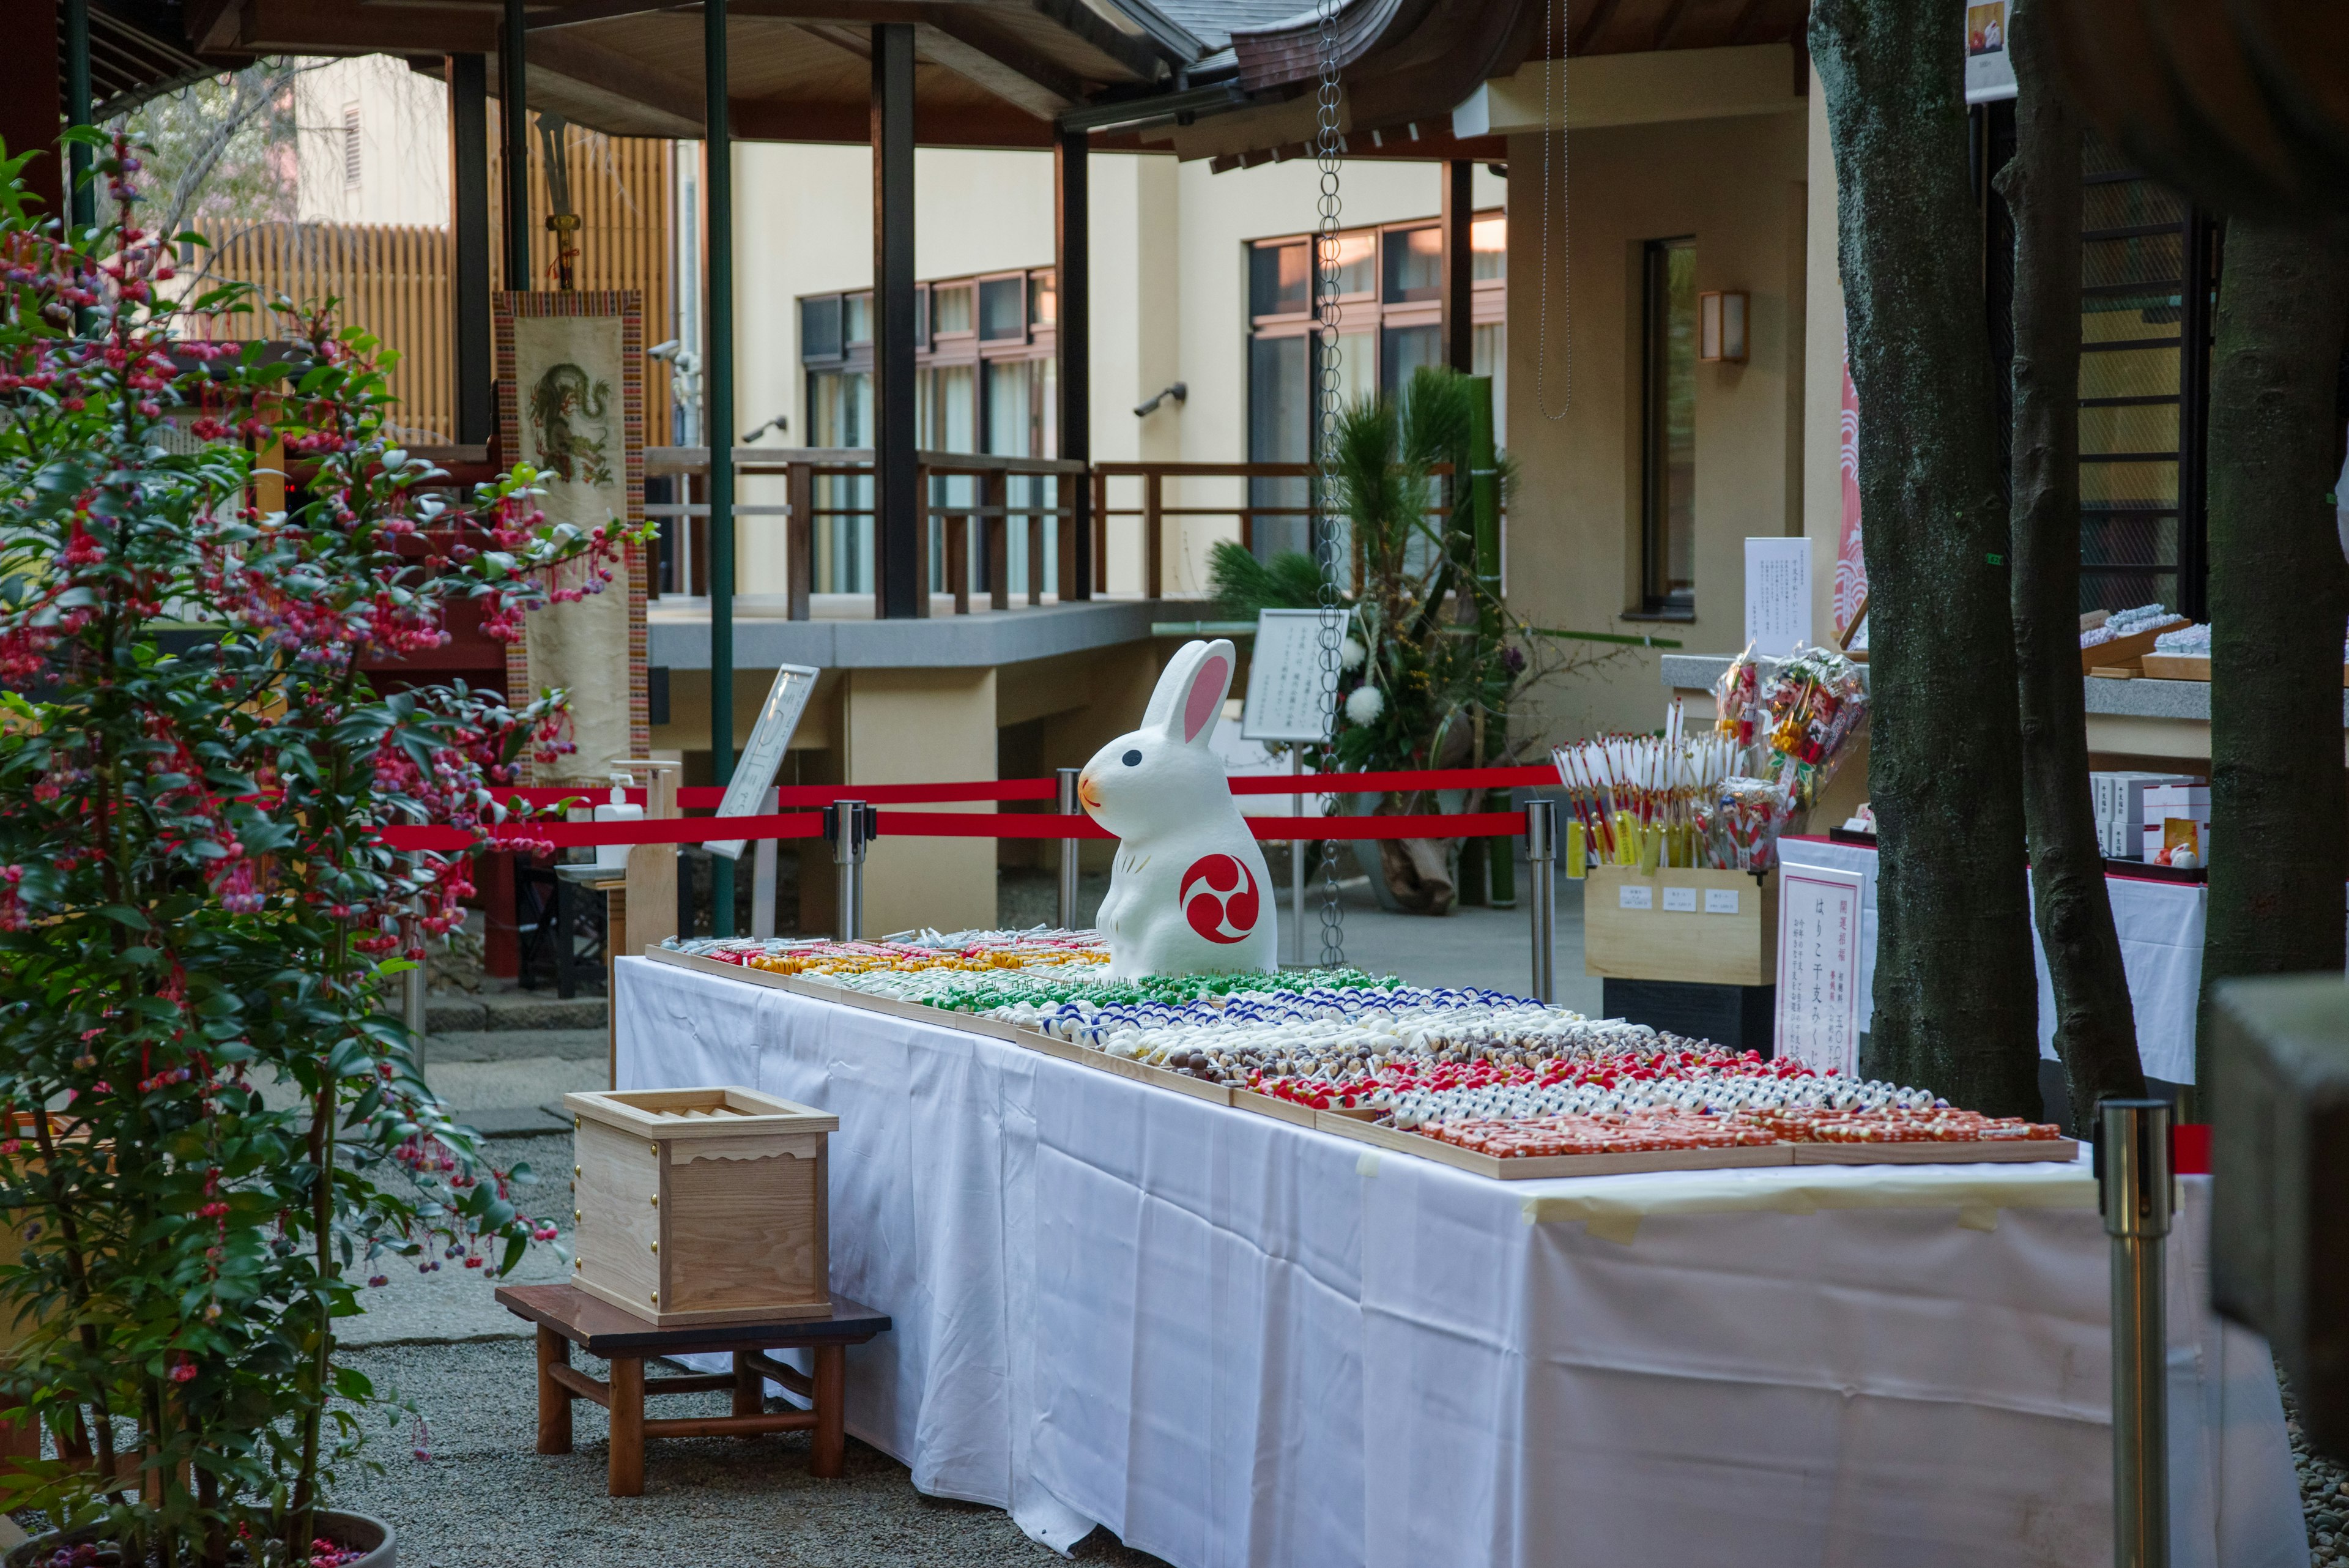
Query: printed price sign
[1818,968]
[1289,697]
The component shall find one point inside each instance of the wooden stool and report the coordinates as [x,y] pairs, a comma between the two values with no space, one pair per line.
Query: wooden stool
[566,1316]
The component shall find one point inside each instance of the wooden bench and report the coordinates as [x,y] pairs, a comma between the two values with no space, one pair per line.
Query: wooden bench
[566,1316]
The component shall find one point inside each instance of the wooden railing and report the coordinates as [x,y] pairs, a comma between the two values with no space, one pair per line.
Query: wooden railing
[983,521]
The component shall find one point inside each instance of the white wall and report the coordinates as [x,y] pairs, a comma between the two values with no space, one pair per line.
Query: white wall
[403,120]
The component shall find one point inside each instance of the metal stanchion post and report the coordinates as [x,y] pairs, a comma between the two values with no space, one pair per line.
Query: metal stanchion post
[1296,852]
[2133,1192]
[1070,805]
[412,997]
[764,869]
[848,826]
[1541,865]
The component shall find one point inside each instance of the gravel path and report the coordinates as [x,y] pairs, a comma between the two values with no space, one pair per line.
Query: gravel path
[2323,1494]
[485,1499]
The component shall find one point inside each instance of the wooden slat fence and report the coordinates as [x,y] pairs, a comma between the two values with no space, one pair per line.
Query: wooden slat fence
[394,278]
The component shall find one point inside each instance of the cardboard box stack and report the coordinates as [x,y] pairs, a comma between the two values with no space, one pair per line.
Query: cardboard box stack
[2121,812]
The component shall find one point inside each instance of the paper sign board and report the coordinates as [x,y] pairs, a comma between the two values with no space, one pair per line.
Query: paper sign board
[1990,69]
[762,756]
[1288,695]
[1818,966]
[1777,594]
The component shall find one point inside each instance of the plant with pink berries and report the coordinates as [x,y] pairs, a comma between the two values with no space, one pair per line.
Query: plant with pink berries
[199,922]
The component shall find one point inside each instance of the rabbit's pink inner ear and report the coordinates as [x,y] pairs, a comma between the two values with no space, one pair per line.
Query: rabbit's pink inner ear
[1206,694]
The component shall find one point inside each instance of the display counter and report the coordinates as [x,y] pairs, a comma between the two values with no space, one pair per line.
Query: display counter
[1231,1338]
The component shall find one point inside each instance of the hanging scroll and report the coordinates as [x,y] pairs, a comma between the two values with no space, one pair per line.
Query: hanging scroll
[571,404]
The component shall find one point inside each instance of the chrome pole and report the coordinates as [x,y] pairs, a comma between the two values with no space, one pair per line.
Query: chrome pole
[764,870]
[847,825]
[2133,1192]
[1070,805]
[1541,862]
[1297,866]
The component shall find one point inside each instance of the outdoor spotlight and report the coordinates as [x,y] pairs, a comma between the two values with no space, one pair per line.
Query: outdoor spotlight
[1721,326]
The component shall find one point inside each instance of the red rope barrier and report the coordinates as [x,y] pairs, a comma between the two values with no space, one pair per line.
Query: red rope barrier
[933,824]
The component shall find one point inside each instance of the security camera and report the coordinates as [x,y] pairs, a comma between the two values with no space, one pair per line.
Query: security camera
[1177,391]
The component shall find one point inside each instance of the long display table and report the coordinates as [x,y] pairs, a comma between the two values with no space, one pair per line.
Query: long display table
[1236,1340]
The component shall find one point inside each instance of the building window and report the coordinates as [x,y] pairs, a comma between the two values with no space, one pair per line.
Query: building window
[1668,428]
[1389,285]
[2149,278]
[351,167]
[984,382]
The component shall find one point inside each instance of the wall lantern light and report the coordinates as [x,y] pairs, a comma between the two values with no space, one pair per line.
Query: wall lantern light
[1721,326]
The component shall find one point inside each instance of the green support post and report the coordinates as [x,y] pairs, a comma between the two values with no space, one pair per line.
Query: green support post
[1485,503]
[81,199]
[719,432]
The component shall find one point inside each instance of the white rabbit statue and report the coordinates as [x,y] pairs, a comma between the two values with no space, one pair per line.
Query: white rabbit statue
[1190,893]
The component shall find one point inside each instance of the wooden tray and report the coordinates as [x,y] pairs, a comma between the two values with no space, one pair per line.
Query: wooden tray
[1545,1167]
[2193,667]
[2017,1151]
[2127,650]
[1357,1124]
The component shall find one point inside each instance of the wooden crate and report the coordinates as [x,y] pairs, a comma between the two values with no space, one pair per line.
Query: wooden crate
[2128,650]
[1687,945]
[2193,667]
[702,1206]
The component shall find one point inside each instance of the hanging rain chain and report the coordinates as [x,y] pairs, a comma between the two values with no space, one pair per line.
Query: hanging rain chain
[1556,20]
[1328,148]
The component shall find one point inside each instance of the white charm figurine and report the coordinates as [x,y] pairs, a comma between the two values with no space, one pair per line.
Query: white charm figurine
[1190,893]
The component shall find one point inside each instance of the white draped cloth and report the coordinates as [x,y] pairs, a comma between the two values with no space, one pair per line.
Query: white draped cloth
[1235,1341]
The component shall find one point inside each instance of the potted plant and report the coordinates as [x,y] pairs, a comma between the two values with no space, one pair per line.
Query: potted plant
[1434,666]
[198,920]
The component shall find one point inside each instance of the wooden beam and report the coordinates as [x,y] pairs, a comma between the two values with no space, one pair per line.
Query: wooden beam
[212,25]
[957,38]
[578,58]
[1592,25]
[296,27]
[1670,25]
[586,11]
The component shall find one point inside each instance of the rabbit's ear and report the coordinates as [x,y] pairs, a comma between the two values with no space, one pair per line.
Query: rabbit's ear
[1190,694]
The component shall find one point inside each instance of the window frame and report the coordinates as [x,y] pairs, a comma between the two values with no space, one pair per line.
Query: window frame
[1658,598]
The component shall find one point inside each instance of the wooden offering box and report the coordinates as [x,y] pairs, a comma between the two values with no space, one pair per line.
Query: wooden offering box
[1694,925]
[702,1206]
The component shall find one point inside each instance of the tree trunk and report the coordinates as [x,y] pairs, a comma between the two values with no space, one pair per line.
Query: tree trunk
[2096,1025]
[2279,812]
[1955,1005]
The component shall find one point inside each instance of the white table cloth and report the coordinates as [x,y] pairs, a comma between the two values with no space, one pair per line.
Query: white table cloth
[1235,1341]
[2160,928]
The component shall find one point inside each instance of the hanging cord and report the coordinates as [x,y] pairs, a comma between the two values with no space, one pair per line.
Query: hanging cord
[1328,148]
[1556,19]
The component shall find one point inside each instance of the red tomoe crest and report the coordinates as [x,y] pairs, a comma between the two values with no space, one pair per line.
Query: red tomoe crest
[1219,899]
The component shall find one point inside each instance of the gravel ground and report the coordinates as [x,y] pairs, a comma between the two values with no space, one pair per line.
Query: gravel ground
[2323,1494]
[485,1499]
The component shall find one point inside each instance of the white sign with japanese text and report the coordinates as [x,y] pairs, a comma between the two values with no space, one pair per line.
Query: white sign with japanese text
[1818,968]
[1777,594]
[1288,695]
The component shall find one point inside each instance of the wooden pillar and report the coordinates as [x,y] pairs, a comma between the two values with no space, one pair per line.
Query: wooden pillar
[32,102]
[994,526]
[800,541]
[514,114]
[1459,266]
[468,232]
[717,390]
[900,549]
[1073,347]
